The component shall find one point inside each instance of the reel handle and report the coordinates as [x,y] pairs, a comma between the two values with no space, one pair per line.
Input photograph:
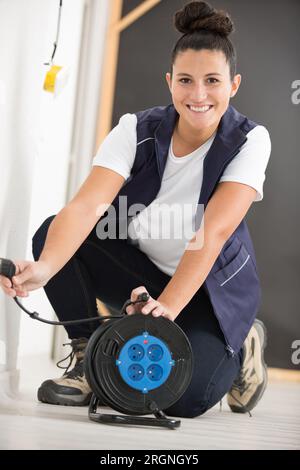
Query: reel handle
[143,297]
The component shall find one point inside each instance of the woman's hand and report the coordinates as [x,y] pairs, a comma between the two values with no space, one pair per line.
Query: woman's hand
[30,275]
[152,306]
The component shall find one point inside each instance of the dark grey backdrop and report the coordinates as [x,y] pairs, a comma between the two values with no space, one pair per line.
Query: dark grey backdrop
[267,39]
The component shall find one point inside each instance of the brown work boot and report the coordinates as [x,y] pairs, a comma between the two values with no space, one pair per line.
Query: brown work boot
[248,388]
[72,388]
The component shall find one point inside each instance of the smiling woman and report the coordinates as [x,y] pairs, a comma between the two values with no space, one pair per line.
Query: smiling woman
[199,152]
[203,72]
[200,95]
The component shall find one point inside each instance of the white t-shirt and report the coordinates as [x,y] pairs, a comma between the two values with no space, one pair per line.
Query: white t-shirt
[163,229]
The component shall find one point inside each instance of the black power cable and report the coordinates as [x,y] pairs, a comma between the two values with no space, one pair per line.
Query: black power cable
[55,44]
[8,269]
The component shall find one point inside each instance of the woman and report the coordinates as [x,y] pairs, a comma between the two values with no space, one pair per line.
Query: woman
[198,150]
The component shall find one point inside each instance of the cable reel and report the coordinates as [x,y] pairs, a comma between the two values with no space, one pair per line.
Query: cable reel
[138,365]
[135,364]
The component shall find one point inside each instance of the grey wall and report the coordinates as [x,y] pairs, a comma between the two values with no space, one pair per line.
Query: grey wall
[267,39]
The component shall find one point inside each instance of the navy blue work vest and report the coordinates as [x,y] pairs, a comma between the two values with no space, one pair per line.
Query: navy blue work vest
[232,284]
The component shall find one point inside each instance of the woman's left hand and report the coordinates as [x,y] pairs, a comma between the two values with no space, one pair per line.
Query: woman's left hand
[152,306]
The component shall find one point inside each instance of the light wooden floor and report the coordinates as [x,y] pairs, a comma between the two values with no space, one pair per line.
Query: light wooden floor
[27,424]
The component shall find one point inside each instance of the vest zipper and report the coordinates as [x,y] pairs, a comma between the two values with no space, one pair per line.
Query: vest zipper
[230,350]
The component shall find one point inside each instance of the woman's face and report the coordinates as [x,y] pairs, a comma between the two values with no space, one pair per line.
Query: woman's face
[201,79]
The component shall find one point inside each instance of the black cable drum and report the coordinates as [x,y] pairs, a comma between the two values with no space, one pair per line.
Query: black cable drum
[105,379]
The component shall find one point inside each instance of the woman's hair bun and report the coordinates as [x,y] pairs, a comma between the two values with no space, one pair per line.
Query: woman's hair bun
[200,15]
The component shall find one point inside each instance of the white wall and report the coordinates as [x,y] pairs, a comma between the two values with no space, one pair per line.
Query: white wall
[52,139]
[37,144]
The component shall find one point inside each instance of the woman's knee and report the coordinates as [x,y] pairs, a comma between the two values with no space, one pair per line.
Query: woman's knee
[187,413]
[188,409]
[38,239]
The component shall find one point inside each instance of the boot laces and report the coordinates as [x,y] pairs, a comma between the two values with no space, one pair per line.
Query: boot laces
[244,408]
[76,373]
[247,374]
[241,384]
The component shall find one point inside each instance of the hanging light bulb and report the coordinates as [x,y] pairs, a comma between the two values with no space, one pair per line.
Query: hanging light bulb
[56,79]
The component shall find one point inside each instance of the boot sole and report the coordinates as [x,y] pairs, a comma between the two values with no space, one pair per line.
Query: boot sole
[262,332]
[46,395]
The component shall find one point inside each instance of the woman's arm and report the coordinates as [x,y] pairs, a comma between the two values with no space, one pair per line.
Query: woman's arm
[75,221]
[224,212]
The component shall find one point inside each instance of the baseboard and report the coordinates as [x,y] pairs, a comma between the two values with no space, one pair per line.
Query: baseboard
[283,375]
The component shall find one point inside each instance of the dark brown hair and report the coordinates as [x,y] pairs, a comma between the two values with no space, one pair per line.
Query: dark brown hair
[204,27]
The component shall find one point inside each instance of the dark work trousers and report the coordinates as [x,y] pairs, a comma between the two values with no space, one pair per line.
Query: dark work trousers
[109,270]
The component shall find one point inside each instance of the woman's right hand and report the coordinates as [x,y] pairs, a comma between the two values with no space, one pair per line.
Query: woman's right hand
[30,275]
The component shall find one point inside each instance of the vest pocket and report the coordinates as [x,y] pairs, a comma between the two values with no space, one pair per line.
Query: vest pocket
[235,294]
[231,250]
[234,267]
